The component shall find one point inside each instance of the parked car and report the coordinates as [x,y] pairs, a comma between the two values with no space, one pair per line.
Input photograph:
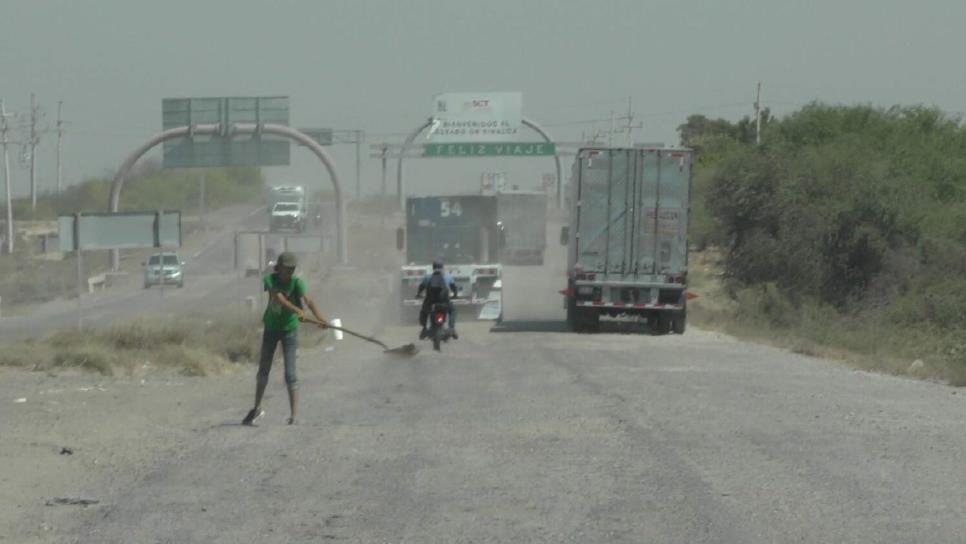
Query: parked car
[166,266]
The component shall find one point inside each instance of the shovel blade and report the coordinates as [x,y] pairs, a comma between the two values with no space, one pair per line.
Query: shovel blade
[408,349]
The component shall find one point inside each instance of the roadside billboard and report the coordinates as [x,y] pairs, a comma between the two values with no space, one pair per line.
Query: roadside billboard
[476,117]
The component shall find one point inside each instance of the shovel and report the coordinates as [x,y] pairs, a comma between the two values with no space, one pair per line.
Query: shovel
[407,349]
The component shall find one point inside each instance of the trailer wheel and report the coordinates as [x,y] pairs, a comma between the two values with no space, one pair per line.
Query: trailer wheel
[679,322]
[588,319]
[659,322]
[594,320]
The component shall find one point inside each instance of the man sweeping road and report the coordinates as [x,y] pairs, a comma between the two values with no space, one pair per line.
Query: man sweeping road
[284,312]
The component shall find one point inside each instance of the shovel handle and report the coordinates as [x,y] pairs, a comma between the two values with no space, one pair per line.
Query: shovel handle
[314,321]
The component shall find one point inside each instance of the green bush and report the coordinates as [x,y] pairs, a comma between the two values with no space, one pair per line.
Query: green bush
[151,188]
[835,199]
[847,225]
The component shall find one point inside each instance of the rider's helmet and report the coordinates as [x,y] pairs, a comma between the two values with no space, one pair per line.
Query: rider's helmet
[437,265]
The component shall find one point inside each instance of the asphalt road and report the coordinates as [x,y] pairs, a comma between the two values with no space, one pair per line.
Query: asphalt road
[546,436]
[522,433]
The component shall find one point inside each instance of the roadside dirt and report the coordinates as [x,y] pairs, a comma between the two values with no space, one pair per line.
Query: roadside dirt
[81,437]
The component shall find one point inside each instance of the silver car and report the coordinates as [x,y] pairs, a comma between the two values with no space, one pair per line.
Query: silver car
[171,272]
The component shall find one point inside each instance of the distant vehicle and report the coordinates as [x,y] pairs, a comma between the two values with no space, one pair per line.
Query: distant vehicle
[163,268]
[287,208]
[287,193]
[287,216]
[627,237]
[523,220]
[522,217]
[463,233]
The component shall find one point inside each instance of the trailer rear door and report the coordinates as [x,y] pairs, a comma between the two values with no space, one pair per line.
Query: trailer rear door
[664,187]
[605,214]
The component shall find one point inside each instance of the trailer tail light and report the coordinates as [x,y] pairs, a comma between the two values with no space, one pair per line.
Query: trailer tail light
[680,278]
[586,277]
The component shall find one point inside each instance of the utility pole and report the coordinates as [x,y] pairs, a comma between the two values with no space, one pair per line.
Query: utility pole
[630,123]
[6,177]
[60,139]
[202,205]
[383,151]
[758,116]
[610,134]
[358,139]
[33,153]
[630,118]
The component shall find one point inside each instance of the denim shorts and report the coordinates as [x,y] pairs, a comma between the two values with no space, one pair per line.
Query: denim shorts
[290,342]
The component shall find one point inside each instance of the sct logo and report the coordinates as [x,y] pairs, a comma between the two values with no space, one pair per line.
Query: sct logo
[479,105]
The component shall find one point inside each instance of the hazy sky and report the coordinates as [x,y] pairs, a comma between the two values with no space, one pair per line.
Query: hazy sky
[375,65]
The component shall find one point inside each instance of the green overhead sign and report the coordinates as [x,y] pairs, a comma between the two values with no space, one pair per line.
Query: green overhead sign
[508,149]
[220,150]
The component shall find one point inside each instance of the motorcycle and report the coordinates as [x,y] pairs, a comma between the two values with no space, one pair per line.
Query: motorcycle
[439,330]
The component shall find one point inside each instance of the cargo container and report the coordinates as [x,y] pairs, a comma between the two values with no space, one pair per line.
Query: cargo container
[627,237]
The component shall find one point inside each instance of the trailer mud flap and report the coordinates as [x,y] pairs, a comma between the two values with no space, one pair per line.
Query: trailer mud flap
[492,309]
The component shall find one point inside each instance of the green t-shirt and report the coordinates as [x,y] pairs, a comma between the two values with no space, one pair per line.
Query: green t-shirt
[278,317]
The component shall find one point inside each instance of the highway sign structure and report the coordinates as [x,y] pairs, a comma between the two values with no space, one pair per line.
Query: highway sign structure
[476,117]
[321,135]
[225,149]
[121,230]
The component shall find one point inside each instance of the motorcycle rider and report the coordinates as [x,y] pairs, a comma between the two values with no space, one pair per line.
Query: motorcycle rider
[437,285]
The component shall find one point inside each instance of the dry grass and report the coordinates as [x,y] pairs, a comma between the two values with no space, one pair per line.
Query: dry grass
[193,346]
[867,342]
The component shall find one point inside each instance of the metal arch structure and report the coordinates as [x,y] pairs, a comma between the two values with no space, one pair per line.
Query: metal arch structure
[399,165]
[412,136]
[556,158]
[237,129]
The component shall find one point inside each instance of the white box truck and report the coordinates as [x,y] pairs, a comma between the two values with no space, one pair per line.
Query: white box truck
[627,237]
